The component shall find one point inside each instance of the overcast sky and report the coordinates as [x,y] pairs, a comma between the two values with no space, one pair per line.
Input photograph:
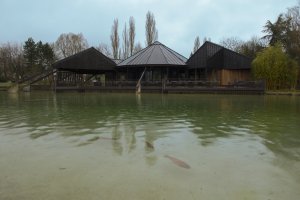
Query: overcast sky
[178,21]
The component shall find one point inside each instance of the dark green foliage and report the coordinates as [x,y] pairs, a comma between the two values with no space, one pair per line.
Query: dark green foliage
[276,68]
[45,55]
[49,55]
[30,53]
[278,31]
[38,56]
[293,44]
[286,30]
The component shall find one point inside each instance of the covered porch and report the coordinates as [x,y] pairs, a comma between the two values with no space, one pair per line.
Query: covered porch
[87,68]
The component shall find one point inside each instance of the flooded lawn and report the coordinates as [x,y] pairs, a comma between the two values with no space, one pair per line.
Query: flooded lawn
[121,146]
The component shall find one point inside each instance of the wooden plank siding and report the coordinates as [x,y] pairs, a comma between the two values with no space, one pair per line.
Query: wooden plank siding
[229,76]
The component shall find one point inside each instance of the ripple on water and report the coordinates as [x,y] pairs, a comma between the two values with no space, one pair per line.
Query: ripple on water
[224,152]
[38,133]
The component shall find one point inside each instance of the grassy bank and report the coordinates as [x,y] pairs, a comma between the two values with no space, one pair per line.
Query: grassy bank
[284,92]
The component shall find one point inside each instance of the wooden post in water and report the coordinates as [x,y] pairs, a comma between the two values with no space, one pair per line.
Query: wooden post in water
[138,85]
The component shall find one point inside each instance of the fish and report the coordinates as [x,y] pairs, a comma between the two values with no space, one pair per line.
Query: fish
[149,145]
[178,162]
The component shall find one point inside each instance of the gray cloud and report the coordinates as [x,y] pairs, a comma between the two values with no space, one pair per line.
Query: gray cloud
[178,21]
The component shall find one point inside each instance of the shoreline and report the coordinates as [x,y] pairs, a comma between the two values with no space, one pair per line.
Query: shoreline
[281,93]
[5,88]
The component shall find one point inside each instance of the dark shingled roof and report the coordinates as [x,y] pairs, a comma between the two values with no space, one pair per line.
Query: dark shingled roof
[87,61]
[227,59]
[211,55]
[156,54]
[200,57]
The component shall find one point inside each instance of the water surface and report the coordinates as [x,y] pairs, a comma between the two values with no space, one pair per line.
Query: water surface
[117,146]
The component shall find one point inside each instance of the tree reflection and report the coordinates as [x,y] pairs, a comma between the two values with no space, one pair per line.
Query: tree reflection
[138,123]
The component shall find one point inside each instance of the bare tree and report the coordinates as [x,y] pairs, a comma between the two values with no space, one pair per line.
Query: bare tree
[105,49]
[114,38]
[12,64]
[205,39]
[137,47]
[293,14]
[151,31]
[125,42]
[119,54]
[196,44]
[3,63]
[251,47]
[70,44]
[131,35]
[232,43]
[292,32]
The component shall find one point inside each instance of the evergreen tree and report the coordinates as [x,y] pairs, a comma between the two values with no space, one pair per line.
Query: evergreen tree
[38,56]
[277,32]
[48,55]
[30,54]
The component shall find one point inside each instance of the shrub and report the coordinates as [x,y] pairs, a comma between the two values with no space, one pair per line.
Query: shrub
[276,68]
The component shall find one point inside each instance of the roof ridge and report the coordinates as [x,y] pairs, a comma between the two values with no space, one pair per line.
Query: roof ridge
[202,46]
[163,53]
[150,54]
[71,56]
[174,52]
[136,55]
[106,57]
[225,48]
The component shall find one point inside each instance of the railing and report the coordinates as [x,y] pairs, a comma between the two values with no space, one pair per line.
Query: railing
[190,83]
[182,84]
[249,84]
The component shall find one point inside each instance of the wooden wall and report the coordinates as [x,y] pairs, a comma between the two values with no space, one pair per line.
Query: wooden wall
[229,76]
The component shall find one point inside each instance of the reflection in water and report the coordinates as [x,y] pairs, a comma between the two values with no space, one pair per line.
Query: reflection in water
[123,116]
[116,135]
[130,137]
[151,159]
[211,133]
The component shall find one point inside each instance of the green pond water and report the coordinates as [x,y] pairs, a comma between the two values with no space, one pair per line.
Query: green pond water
[123,146]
